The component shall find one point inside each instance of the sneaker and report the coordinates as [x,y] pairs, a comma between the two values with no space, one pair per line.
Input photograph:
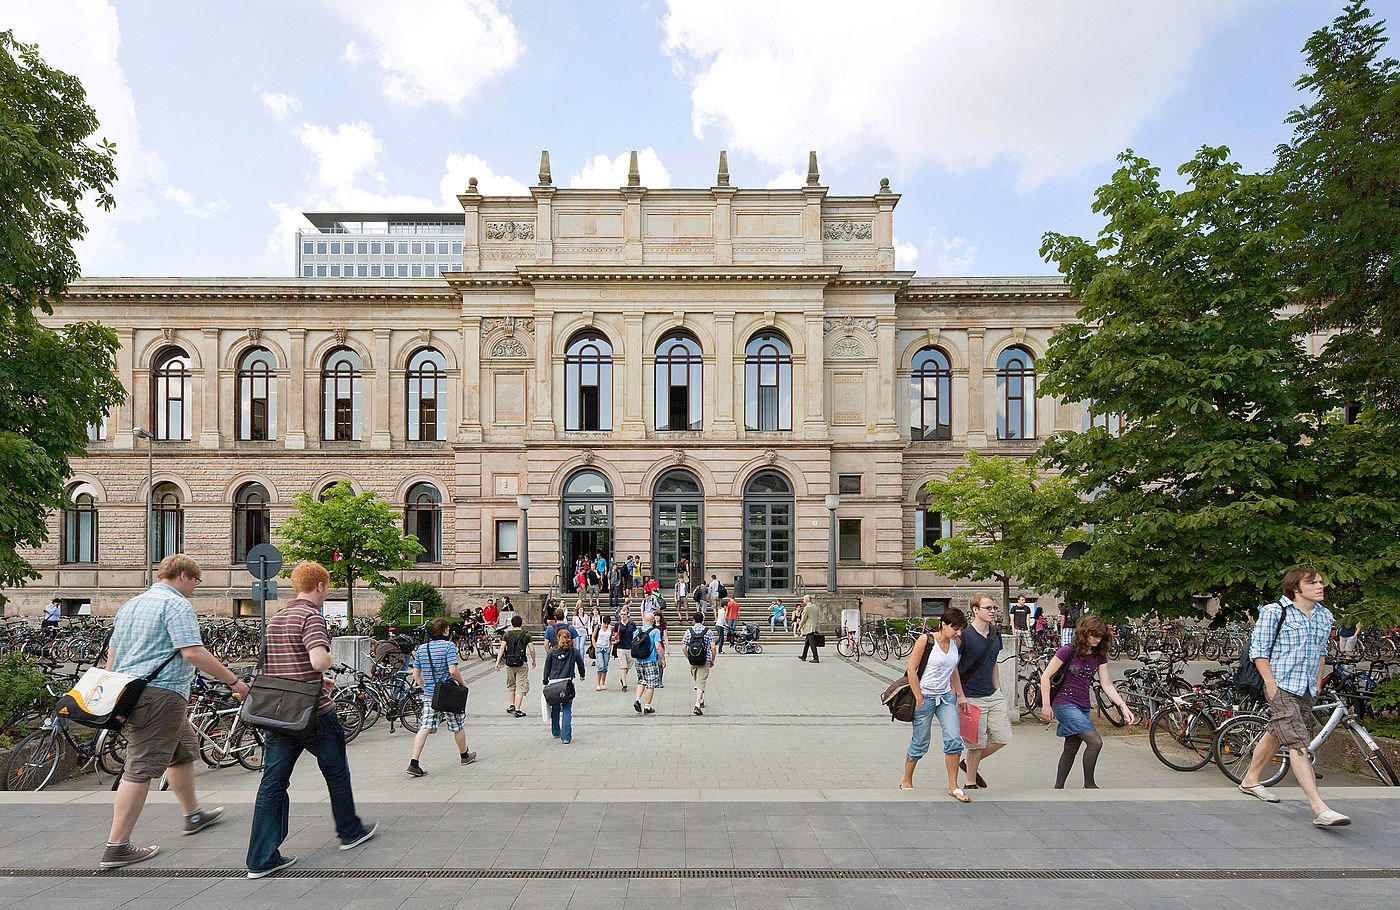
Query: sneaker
[519,713]
[118,855]
[510,709]
[414,771]
[648,710]
[702,702]
[354,842]
[200,819]
[637,706]
[468,758]
[263,873]
[697,711]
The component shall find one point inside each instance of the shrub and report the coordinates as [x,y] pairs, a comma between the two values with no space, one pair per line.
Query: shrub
[20,683]
[395,608]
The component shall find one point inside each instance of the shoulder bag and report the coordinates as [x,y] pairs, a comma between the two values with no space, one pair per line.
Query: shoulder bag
[449,696]
[104,698]
[899,695]
[280,704]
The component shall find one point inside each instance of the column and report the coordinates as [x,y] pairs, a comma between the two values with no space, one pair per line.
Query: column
[884,341]
[209,399]
[728,380]
[380,400]
[469,429]
[633,419]
[123,418]
[976,391]
[814,397]
[299,415]
[542,425]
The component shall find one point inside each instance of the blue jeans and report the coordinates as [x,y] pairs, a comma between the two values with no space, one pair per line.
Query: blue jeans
[774,620]
[946,707]
[719,635]
[271,809]
[604,658]
[561,721]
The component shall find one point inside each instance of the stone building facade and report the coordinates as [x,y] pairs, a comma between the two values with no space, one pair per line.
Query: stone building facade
[664,372]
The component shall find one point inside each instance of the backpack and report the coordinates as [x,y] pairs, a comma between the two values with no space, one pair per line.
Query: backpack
[722,590]
[696,650]
[641,644]
[515,650]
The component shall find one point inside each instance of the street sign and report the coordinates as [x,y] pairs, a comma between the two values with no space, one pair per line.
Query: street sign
[415,609]
[264,561]
[264,590]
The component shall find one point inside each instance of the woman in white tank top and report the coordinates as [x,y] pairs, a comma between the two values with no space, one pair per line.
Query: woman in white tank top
[937,691]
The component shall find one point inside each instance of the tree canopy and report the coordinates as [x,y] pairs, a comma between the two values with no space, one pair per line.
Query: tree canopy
[357,538]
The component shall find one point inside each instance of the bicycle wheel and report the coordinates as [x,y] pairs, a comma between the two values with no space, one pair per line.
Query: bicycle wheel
[111,754]
[882,648]
[1030,700]
[1181,738]
[902,647]
[34,761]
[1234,749]
[411,711]
[1381,766]
[845,647]
[352,716]
[483,648]
[214,742]
[1111,712]
[247,746]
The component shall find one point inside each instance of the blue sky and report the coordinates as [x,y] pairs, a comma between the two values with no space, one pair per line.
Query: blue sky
[995,120]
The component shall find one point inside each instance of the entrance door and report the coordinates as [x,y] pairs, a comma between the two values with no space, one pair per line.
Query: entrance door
[587,522]
[677,521]
[768,533]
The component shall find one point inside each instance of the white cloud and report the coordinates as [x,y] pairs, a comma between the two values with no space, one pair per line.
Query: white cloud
[904,254]
[787,180]
[281,105]
[432,50]
[81,38]
[600,171]
[1051,86]
[352,54]
[948,256]
[461,168]
[342,154]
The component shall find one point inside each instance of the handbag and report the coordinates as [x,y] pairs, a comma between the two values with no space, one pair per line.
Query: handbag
[899,695]
[280,704]
[1247,678]
[819,639]
[104,698]
[449,696]
[559,691]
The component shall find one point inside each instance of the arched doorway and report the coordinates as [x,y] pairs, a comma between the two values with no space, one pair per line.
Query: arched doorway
[587,521]
[677,525]
[768,533]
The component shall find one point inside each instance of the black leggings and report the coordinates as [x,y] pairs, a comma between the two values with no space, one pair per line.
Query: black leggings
[1093,744]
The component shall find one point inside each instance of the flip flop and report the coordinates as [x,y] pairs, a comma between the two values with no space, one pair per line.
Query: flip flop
[958,794]
[962,765]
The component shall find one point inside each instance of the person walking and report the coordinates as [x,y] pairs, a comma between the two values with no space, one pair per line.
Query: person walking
[649,657]
[299,647]
[659,620]
[562,662]
[434,661]
[517,643]
[808,621]
[1085,655]
[158,632]
[622,642]
[698,644]
[1288,647]
[617,586]
[979,645]
[933,677]
[731,618]
[602,646]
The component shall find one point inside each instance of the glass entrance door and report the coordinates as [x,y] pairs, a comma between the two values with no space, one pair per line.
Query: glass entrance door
[768,533]
[587,523]
[677,521]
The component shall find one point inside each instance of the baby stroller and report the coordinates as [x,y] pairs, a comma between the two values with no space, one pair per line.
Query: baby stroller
[745,640]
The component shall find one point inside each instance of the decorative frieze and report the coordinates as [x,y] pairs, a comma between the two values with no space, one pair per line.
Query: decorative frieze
[508,324]
[848,347]
[848,230]
[509,347]
[510,230]
[848,324]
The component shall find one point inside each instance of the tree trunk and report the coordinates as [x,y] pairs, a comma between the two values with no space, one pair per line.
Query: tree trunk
[349,601]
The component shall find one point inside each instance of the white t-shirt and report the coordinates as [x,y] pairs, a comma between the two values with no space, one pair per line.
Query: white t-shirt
[602,637]
[938,673]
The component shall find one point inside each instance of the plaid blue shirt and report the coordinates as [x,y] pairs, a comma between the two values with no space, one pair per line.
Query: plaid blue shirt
[148,629]
[1302,643]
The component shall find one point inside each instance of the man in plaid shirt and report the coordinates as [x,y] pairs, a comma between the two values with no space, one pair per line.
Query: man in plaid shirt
[1290,663]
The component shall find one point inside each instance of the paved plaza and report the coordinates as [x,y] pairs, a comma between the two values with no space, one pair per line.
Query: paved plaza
[784,794]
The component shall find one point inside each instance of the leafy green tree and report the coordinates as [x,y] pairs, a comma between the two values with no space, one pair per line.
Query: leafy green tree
[1008,523]
[357,538]
[1342,172]
[394,610]
[53,384]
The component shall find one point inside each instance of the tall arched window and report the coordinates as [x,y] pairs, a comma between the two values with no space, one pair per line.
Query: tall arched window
[1015,394]
[257,395]
[423,520]
[678,371]
[931,396]
[341,376]
[252,519]
[930,528]
[768,382]
[171,411]
[588,383]
[427,396]
[80,525]
[167,522]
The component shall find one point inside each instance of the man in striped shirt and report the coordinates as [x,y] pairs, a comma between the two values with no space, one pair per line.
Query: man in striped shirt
[299,648]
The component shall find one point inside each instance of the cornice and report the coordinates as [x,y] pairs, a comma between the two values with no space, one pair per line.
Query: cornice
[796,272]
[980,290]
[218,291]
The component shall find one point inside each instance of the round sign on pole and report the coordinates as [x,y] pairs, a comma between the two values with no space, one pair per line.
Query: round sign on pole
[264,561]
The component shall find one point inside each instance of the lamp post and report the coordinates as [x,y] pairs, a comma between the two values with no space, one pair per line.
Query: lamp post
[523,501]
[140,433]
[833,502]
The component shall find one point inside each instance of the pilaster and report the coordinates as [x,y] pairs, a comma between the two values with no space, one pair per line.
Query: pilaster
[299,414]
[884,342]
[814,424]
[123,417]
[209,397]
[633,420]
[469,430]
[542,424]
[727,383]
[380,402]
[976,391]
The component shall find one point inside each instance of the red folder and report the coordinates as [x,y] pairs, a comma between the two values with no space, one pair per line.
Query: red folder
[967,723]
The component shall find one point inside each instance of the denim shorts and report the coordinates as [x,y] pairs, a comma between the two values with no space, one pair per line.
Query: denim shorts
[1073,719]
[946,707]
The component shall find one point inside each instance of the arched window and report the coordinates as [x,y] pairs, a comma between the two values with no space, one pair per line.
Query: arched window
[588,383]
[427,396]
[678,370]
[341,376]
[768,382]
[257,395]
[1015,394]
[170,395]
[930,528]
[423,520]
[80,525]
[252,519]
[167,522]
[329,488]
[931,396]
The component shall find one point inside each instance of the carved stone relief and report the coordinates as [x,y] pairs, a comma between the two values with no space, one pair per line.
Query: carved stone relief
[848,347]
[848,230]
[340,334]
[510,324]
[255,335]
[770,456]
[848,324]
[508,347]
[510,230]
[678,456]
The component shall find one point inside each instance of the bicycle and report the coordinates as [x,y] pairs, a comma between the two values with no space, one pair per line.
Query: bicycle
[387,693]
[848,646]
[224,739]
[35,760]
[1234,744]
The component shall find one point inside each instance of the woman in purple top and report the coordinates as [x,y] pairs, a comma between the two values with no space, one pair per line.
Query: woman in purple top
[1086,655]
